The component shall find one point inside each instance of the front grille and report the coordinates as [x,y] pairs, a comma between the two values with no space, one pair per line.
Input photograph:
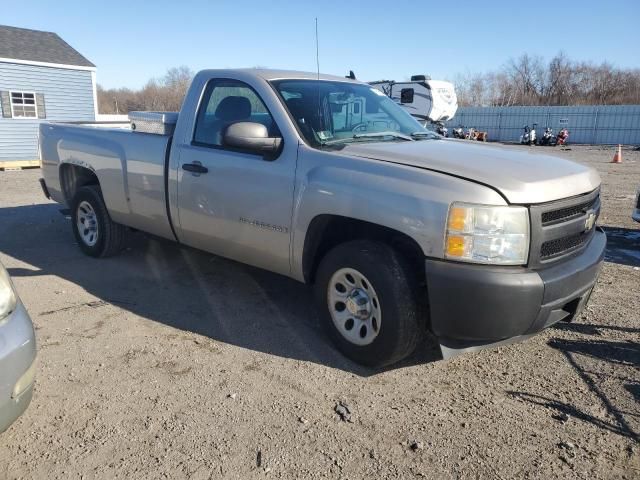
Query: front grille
[562,245]
[567,213]
[562,228]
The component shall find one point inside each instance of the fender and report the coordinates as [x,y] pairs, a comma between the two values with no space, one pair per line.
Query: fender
[406,199]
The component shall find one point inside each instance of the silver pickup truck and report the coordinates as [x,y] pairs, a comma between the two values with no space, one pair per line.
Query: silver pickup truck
[326,180]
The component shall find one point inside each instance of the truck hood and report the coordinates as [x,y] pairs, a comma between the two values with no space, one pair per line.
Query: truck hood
[521,175]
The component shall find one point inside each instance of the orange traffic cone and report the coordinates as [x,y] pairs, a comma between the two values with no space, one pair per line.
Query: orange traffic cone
[617,158]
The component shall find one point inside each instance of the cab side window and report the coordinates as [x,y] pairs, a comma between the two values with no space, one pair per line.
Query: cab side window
[226,102]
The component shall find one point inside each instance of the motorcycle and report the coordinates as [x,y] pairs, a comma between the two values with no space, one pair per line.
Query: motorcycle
[528,137]
[458,132]
[562,137]
[470,134]
[548,138]
[442,130]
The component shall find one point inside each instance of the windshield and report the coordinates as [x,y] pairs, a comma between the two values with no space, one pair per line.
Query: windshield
[332,113]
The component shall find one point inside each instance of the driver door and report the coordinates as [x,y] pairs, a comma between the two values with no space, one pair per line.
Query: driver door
[233,203]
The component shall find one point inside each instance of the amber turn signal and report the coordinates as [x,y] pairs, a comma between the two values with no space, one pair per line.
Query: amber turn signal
[455,245]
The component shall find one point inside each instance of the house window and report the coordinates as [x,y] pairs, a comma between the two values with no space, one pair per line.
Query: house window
[23,104]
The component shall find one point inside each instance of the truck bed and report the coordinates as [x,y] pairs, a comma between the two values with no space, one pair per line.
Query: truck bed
[129,165]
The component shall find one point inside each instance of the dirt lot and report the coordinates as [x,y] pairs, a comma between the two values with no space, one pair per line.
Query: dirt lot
[166,362]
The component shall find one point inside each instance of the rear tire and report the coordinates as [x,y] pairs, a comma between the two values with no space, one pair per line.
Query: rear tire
[95,232]
[363,269]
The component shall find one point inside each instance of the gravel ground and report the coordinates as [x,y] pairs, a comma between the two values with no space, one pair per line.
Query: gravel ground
[166,362]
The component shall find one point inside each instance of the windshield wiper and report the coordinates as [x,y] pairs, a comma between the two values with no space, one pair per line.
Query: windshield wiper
[359,136]
[425,134]
[389,133]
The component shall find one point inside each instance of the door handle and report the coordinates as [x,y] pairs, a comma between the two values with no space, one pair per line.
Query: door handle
[194,167]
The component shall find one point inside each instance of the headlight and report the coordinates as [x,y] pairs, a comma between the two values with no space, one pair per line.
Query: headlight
[7,295]
[486,234]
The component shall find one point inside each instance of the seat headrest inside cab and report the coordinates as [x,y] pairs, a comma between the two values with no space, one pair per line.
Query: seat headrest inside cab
[232,109]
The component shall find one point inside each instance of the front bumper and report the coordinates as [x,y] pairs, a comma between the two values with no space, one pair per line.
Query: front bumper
[475,306]
[11,409]
[17,354]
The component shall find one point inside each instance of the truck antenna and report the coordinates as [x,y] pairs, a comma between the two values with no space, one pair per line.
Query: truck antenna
[319,112]
[317,51]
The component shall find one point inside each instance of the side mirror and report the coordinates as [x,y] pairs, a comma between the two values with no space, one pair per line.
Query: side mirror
[251,136]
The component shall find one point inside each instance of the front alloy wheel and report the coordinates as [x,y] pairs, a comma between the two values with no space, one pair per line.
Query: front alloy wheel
[371,301]
[354,306]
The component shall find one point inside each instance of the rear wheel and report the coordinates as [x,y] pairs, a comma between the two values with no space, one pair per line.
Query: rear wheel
[370,302]
[95,232]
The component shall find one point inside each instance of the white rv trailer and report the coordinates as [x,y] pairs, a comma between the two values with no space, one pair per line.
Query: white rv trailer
[431,101]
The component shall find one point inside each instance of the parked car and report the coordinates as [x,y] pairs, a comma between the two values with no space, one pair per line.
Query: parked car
[636,211]
[17,354]
[398,229]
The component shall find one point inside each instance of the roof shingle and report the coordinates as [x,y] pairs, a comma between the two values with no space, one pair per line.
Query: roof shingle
[36,46]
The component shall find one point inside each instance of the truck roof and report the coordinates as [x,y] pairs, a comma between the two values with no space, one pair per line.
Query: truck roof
[269,74]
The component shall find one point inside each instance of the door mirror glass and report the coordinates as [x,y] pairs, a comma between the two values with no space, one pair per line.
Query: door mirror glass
[251,136]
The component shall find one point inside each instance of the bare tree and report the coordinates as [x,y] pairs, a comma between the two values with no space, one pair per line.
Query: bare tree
[159,94]
[560,81]
[176,82]
[528,80]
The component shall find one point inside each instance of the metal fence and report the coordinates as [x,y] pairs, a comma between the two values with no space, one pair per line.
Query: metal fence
[593,124]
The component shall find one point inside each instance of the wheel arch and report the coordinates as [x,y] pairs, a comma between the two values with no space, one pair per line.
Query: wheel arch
[72,177]
[326,231]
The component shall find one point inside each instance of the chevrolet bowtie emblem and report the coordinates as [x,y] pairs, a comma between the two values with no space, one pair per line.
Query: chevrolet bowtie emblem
[590,221]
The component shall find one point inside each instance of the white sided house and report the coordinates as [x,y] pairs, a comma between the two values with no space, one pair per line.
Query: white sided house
[41,77]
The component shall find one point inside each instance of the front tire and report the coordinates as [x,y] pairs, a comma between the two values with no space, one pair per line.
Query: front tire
[95,232]
[370,301]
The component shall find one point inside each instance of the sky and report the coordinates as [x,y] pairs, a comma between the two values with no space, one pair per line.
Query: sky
[133,41]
